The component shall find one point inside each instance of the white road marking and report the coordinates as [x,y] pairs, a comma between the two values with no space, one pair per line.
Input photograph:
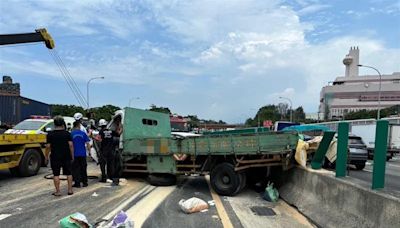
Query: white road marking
[143,209]
[110,215]
[3,216]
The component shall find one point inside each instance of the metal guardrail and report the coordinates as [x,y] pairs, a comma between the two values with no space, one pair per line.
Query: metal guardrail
[379,165]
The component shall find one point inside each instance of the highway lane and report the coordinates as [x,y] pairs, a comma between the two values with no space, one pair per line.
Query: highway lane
[27,202]
[392,175]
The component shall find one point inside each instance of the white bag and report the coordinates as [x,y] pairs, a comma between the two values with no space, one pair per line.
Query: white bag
[192,205]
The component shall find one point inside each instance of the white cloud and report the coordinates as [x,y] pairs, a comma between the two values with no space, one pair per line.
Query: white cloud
[312,9]
[211,58]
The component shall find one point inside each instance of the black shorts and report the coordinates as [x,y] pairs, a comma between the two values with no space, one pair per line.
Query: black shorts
[56,166]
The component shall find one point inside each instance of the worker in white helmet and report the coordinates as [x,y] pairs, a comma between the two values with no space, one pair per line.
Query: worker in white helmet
[78,117]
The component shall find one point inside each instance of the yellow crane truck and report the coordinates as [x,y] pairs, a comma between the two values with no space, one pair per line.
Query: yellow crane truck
[23,155]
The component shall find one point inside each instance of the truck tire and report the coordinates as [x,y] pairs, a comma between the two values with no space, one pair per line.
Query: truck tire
[224,180]
[30,163]
[360,166]
[243,181]
[14,171]
[161,179]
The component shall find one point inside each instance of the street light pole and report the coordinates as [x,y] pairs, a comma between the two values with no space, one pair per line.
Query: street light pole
[87,89]
[379,92]
[291,110]
[133,98]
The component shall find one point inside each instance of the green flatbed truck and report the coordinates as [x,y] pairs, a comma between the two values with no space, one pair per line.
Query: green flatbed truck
[147,146]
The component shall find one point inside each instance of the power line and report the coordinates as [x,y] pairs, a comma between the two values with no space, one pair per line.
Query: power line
[68,78]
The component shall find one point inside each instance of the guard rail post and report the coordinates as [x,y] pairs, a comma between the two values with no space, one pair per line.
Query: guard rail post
[342,149]
[381,136]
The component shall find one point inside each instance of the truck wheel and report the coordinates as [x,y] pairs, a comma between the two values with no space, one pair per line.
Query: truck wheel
[243,181]
[161,179]
[224,180]
[14,171]
[30,163]
[360,166]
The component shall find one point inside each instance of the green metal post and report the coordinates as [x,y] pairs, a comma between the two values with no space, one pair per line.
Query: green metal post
[319,155]
[381,135]
[342,149]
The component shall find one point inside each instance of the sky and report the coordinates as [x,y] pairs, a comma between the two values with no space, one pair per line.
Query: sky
[218,60]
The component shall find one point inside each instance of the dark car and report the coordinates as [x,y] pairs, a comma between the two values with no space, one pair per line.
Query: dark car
[358,153]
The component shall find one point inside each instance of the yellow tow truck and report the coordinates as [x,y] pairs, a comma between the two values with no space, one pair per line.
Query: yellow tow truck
[23,155]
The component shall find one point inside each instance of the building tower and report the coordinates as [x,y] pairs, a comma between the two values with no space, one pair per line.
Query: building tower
[351,61]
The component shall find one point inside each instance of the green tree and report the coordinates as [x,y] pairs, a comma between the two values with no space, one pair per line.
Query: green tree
[299,115]
[65,110]
[154,108]
[371,114]
[104,112]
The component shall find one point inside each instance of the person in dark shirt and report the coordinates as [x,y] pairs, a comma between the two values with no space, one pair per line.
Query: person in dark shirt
[79,166]
[60,149]
[107,153]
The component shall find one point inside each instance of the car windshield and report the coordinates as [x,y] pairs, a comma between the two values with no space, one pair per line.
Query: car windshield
[29,125]
[355,141]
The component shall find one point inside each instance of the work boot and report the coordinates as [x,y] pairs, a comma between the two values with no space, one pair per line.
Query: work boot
[76,185]
[84,185]
[103,180]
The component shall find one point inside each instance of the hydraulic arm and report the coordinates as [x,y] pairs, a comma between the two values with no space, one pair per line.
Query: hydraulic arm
[41,35]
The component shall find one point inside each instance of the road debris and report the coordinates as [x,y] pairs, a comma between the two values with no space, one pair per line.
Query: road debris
[211,202]
[76,220]
[192,205]
[95,194]
[122,220]
[271,194]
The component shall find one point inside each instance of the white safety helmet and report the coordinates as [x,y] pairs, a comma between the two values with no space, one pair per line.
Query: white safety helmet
[102,122]
[78,116]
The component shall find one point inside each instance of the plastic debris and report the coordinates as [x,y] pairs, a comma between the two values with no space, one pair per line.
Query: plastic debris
[76,220]
[122,220]
[205,210]
[95,194]
[192,205]
[215,217]
[211,202]
[271,194]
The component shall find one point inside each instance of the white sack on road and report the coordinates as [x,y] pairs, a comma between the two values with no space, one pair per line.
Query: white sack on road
[192,205]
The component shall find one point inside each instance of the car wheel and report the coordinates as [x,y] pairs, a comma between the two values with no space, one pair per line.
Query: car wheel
[360,166]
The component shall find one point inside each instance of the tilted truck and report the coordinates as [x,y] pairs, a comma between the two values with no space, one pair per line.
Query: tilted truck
[147,146]
[23,155]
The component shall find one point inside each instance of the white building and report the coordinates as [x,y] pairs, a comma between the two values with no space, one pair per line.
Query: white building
[353,92]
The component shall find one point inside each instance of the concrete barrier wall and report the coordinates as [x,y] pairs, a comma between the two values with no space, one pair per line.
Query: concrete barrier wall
[333,202]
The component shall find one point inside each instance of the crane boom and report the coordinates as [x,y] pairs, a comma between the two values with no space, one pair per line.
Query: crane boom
[41,35]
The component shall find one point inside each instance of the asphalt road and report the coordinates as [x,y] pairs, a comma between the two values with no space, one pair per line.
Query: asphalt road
[392,175]
[27,202]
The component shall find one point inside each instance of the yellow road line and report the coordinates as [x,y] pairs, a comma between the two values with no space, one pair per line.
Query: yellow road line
[140,212]
[226,221]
